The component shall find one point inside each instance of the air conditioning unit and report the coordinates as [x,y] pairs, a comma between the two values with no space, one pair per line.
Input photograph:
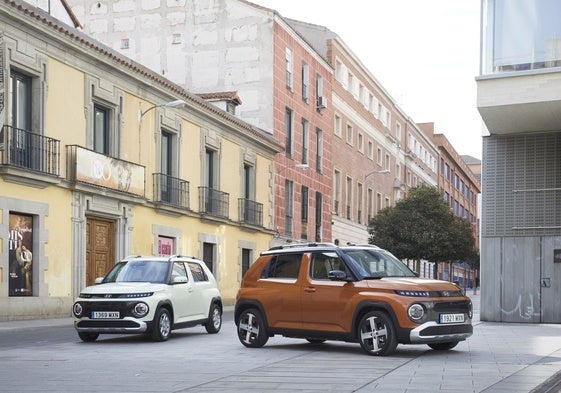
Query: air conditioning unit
[322,102]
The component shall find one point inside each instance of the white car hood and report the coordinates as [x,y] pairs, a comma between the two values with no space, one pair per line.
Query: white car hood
[123,287]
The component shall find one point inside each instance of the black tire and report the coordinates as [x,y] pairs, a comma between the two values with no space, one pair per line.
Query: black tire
[214,322]
[251,329]
[162,325]
[443,346]
[376,334]
[88,337]
[315,340]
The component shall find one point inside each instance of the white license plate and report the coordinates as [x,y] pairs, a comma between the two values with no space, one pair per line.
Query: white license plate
[451,318]
[105,314]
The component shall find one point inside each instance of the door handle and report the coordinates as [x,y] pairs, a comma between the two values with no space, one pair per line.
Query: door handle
[310,289]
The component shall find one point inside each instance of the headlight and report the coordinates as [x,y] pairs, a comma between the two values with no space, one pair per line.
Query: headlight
[140,310]
[416,312]
[77,310]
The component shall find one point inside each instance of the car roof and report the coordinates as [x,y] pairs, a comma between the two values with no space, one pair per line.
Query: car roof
[160,258]
[307,247]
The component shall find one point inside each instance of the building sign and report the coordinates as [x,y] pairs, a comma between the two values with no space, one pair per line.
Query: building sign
[165,246]
[20,255]
[104,171]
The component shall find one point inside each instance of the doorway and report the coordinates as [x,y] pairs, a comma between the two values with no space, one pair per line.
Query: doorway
[100,248]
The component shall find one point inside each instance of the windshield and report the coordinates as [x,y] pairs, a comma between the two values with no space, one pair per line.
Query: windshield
[377,264]
[138,271]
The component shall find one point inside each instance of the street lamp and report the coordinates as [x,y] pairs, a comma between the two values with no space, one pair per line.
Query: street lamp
[170,104]
[383,171]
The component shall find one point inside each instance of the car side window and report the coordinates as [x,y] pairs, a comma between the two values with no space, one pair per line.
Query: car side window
[283,266]
[197,272]
[323,263]
[179,270]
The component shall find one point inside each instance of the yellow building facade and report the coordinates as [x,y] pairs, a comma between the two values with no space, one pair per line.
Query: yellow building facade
[101,158]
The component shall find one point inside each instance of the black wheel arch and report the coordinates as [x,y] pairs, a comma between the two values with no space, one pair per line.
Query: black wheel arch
[243,305]
[366,306]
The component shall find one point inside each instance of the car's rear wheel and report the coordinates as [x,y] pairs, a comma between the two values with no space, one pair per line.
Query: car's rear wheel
[214,322]
[88,337]
[162,325]
[443,346]
[251,329]
[376,334]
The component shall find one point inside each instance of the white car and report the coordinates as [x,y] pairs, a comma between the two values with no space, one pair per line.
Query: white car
[151,295]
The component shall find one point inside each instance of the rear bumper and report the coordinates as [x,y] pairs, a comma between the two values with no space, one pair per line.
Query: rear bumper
[432,332]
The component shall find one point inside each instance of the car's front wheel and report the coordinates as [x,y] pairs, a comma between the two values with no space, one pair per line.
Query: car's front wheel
[214,322]
[162,325]
[251,329]
[88,337]
[443,346]
[376,334]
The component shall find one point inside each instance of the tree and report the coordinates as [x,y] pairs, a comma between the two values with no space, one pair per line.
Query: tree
[422,226]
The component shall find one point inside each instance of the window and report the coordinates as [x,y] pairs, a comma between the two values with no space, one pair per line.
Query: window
[283,266]
[398,131]
[101,129]
[197,272]
[336,191]
[350,82]
[360,202]
[319,150]
[288,117]
[210,178]
[349,192]
[379,156]
[360,142]
[370,150]
[166,154]
[305,81]
[319,213]
[350,134]
[319,92]
[370,207]
[338,126]
[387,166]
[247,257]
[338,70]
[378,202]
[323,263]
[288,206]
[178,270]
[248,181]
[305,141]
[20,100]
[289,68]
[305,202]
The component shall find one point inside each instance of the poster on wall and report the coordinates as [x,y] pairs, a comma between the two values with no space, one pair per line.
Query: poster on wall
[165,246]
[20,255]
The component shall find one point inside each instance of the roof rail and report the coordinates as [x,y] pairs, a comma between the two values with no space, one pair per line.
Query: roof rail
[298,245]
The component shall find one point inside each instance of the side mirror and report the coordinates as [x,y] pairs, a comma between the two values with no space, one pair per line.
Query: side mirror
[179,280]
[99,280]
[337,275]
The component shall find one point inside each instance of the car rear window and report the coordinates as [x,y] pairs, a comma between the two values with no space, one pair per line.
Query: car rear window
[283,266]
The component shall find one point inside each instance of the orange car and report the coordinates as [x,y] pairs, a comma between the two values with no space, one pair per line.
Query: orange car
[359,294]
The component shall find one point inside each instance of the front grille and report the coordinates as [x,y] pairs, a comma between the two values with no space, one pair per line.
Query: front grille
[458,306]
[446,329]
[124,308]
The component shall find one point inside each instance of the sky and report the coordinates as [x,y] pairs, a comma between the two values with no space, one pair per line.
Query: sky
[424,53]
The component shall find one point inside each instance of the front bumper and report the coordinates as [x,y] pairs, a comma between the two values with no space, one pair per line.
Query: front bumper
[433,332]
[111,326]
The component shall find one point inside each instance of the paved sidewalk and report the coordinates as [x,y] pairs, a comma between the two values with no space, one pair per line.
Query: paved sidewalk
[498,358]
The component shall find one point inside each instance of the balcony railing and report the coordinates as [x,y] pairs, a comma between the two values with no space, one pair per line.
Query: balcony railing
[250,212]
[171,190]
[213,202]
[28,150]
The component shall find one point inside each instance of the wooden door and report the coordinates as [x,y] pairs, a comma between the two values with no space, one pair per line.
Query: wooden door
[100,248]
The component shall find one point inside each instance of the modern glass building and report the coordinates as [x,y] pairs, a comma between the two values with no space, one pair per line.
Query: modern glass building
[519,99]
